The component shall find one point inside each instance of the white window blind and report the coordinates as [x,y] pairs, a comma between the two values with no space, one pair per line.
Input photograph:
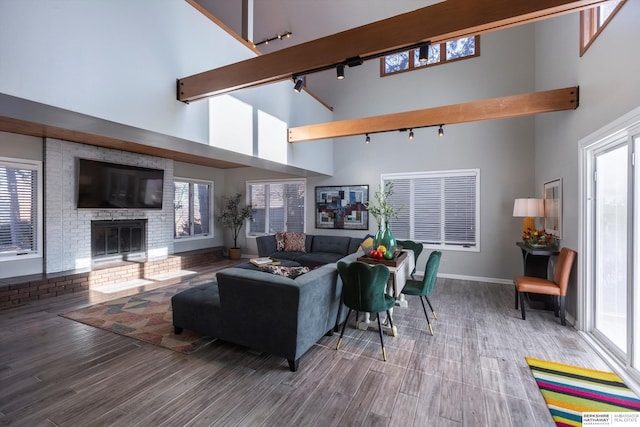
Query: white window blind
[277,206]
[439,209]
[18,208]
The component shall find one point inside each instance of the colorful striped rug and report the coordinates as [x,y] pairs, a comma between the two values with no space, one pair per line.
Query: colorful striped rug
[569,391]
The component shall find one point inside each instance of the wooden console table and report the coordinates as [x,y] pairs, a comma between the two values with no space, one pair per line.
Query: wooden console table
[536,264]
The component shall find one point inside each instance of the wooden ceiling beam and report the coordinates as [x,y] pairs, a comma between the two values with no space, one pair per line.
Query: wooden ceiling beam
[489,109]
[436,23]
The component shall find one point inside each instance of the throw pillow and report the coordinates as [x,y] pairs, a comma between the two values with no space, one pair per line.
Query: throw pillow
[279,242]
[294,242]
[290,272]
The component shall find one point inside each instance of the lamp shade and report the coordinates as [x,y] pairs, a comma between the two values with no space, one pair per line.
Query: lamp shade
[528,208]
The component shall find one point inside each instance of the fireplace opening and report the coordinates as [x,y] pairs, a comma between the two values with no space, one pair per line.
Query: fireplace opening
[118,240]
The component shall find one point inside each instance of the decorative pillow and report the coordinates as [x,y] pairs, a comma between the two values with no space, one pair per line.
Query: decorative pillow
[294,242]
[279,242]
[290,272]
[366,244]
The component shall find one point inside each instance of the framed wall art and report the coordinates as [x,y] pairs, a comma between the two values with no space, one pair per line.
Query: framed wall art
[342,207]
[553,208]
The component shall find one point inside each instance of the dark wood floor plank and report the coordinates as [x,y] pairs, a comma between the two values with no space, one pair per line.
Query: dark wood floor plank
[471,372]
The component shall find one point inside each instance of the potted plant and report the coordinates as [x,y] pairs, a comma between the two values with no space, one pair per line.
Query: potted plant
[233,217]
[383,212]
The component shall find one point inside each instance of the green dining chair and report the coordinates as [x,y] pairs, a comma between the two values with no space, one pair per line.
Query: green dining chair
[363,289]
[424,287]
[416,247]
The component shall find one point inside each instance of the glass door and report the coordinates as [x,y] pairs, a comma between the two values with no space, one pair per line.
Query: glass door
[611,244]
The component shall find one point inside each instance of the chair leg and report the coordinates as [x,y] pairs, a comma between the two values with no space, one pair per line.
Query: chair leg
[344,325]
[435,316]
[556,304]
[427,316]
[517,295]
[384,353]
[394,332]
[521,295]
[563,320]
[357,319]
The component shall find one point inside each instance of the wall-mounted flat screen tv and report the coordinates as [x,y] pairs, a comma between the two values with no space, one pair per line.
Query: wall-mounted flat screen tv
[103,185]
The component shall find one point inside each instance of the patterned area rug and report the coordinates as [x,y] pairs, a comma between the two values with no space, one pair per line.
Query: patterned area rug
[569,391]
[146,316]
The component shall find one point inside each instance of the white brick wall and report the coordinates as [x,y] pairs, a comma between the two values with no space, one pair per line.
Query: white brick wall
[68,229]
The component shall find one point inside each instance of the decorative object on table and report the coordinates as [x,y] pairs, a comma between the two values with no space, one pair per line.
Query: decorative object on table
[342,207]
[397,259]
[571,391]
[363,290]
[557,287]
[383,212]
[423,288]
[233,216]
[553,208]
[146,316]
[529,209]
[264,261]
[537,238]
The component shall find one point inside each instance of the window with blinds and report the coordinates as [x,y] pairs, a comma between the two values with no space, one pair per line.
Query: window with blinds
[277,206]
[439,209]
[19,208]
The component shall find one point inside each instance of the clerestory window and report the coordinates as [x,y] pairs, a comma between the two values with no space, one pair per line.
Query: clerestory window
[439,53]
[593,21]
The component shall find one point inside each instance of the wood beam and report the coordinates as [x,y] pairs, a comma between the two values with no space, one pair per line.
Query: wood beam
[488,109]
[436,23]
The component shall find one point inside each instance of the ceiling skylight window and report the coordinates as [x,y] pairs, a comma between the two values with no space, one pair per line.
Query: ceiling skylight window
[593,21]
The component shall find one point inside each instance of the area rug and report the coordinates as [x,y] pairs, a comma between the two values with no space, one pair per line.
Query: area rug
[570,390]
[146,316]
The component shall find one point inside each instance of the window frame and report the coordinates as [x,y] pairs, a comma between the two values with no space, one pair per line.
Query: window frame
[443,58]
[191,182]
[303,182]
[439,174]
[38,234]
[590,28]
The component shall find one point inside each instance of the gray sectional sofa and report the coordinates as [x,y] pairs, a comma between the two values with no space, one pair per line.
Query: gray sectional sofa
[268,312]
[319,249]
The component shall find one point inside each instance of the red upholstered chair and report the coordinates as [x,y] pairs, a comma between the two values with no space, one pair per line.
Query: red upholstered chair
[556,287]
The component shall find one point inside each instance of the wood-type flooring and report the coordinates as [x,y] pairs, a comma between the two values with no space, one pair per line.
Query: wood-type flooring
[472,372]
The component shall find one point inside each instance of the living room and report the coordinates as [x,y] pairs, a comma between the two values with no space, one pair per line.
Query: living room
[114,79]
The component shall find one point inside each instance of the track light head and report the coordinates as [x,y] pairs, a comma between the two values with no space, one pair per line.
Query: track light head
[367,140]
[410,134]
[423,55]
[340,71]
[298,86]
[441,131]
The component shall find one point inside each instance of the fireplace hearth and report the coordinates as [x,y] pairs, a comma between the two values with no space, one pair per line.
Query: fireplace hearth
[115,240]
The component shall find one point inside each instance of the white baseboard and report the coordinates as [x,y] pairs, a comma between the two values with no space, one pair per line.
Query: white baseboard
[471,278]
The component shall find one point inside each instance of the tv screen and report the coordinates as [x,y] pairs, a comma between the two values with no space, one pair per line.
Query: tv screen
[103,185]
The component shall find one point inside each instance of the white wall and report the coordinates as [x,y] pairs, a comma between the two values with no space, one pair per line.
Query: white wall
[609,87]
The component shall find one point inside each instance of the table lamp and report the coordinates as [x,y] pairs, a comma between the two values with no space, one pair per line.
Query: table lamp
[528,209]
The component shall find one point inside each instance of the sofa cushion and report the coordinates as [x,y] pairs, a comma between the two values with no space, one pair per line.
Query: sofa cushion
[290,272]
[198,309]
[279,241]
[314,259]
[331,244]
[294,242]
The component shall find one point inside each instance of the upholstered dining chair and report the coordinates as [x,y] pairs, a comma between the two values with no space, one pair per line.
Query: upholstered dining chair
[363,289]
[557,287]
[423,288]
[416,247]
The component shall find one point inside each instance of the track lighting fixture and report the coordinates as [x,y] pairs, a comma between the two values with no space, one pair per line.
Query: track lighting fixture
[367,139]
[410,134]
[340,71]
[423,54]
[277,37]
[441,131]
[298,86]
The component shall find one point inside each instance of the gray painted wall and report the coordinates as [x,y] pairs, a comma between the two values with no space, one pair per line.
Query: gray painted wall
[609,87]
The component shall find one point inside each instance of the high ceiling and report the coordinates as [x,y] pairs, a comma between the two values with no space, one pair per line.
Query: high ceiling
[307,19]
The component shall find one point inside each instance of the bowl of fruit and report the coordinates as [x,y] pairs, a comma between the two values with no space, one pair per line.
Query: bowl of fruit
[380,252]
